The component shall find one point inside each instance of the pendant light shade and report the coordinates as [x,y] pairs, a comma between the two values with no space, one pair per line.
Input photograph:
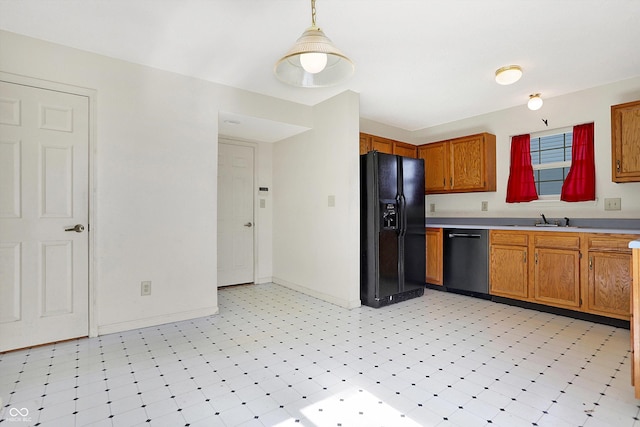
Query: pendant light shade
[535,102]
[313,61]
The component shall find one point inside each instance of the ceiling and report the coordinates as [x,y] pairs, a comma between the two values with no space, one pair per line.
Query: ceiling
[419,63]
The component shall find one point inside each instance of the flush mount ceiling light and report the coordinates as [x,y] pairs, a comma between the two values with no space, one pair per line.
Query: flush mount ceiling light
[535,102]
[508,75]
[313,61]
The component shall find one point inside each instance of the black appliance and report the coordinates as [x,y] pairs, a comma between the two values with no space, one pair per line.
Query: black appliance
[392,230]
[466,260]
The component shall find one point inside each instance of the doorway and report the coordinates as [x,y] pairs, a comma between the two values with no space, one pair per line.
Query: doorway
[44,212]
[236,224]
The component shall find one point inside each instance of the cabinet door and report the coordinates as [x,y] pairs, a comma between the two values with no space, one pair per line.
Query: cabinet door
[436,167]
[382,145]
[434,256]
[609,283]
[625,141]
[365,143]
[635,323]
[508,271]
[467,171]
[557,277]
[406,150]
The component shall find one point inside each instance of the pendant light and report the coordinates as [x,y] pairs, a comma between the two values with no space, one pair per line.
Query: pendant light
[313,61]
[535,101]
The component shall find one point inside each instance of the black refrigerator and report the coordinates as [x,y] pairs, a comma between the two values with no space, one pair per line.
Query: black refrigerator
[392,229]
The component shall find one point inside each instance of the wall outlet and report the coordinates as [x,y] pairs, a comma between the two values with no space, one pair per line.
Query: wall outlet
[613,204]
[145,288]
[485,206]
[432,207]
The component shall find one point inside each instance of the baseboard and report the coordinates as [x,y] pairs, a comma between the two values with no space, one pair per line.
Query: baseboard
[320,295]
[156,320]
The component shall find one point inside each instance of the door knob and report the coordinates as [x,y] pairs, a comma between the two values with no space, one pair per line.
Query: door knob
[78,228]
[248,224]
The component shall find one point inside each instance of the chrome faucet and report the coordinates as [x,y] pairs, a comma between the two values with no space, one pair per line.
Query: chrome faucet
[544,219]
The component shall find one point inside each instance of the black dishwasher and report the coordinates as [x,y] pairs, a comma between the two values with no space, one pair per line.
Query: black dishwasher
[466,260]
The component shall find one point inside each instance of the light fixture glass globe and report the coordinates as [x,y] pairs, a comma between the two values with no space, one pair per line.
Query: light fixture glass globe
[535,102]
[313,62]
[508,75]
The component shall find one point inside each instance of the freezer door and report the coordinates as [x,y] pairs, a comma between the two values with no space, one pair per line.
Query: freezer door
[388,249]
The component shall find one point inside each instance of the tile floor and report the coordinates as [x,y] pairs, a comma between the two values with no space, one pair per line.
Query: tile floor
[276,357]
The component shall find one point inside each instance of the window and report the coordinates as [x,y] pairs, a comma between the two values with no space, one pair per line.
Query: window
[551,160]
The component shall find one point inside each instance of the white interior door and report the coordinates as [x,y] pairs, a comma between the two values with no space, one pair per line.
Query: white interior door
[235,214]
[44,270]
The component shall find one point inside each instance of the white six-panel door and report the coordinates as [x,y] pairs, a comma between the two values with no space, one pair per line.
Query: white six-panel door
[44,143]
[235,214]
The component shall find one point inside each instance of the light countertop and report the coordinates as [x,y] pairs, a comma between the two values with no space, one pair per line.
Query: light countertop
[533,228]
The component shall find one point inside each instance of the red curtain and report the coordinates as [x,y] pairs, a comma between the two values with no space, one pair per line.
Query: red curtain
[580,183]
[521,186]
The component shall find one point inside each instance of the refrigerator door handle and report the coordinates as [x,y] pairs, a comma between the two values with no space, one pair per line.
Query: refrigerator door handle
[404,215]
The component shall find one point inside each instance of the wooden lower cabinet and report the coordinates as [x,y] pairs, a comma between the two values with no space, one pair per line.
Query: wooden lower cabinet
[434,264]
[508,267]
[609,283]
[609,275]
[557,277]
[635,323]
[586,272]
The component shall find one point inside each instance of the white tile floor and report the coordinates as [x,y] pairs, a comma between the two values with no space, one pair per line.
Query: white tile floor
[276,357]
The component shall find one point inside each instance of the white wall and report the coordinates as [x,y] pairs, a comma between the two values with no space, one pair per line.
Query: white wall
[591,105]
[156,174]
[316,247]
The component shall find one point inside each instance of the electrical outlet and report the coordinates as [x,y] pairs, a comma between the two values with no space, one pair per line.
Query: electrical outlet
[613,204]
[485,206]
[145,288]
[432,207]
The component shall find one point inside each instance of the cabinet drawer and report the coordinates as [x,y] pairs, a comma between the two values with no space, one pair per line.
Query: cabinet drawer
[557,240]
[499,237]
[610,243]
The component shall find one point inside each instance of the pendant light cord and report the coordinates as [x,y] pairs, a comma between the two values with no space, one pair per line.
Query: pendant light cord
[313,13]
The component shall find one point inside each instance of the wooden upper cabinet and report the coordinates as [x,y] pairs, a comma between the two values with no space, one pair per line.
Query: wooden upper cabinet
[365,143]
[436,166]
[382,145]
[460,165]
[404,149]
[625,142]
[386,145]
